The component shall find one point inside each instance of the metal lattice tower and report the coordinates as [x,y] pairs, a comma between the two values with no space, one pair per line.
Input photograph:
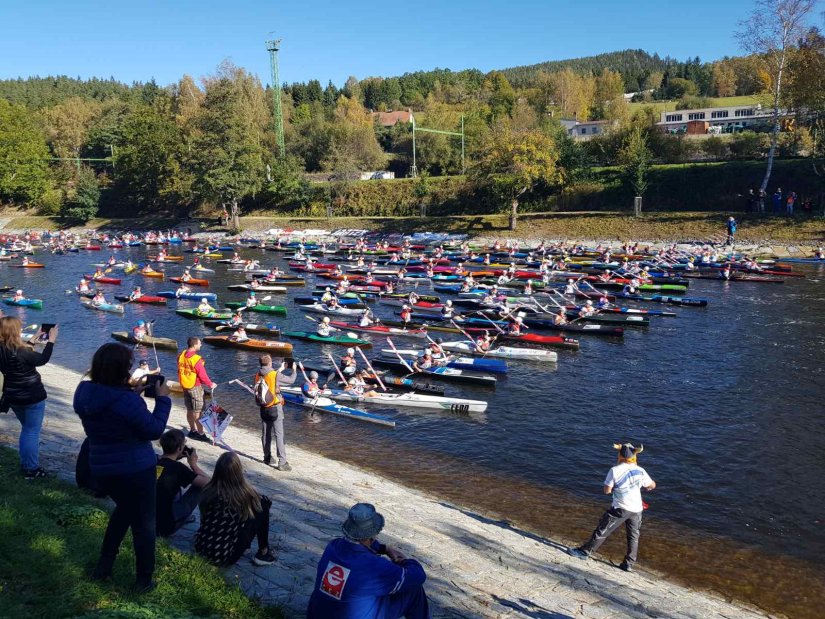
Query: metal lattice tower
[273,47]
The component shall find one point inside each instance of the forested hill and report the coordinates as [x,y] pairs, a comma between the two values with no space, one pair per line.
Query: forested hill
[633,64]
[39,92]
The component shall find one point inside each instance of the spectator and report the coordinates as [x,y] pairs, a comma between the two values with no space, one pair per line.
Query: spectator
[272,409]
[174,507]
[23,390]
[625,481]
[750,203]
[354,581]
[789,203]
[232,513]
[777,200]
[120,428]
[192,377]
[731,229]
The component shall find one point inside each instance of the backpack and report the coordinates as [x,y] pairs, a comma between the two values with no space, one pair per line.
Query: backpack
[263,396]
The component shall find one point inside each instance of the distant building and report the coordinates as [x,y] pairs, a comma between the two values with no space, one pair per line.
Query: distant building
[390,119]
[380,175]
[584,130]
[729,119]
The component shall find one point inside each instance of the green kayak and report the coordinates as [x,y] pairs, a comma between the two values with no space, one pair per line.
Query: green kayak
[196,315]
[662,288]
[343,340]
[263,309]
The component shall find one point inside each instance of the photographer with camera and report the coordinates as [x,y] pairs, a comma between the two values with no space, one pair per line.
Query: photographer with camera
[174,507]
[121,429]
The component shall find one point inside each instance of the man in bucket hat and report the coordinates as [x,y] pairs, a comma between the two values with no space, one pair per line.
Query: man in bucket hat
[625,481]
[355,582]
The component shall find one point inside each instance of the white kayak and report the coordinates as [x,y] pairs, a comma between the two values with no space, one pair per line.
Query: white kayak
[405,400]
[320,308]
[504,352]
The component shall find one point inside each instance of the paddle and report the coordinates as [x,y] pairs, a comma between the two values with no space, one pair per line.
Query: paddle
[311,413]
[369,365]
[400,358]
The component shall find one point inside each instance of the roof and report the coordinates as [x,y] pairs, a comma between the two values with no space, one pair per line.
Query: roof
[390,119]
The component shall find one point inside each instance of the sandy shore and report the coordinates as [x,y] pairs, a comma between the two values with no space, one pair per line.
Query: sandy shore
[477,567]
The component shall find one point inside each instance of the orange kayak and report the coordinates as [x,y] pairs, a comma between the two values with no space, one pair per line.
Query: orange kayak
[30,265]
[192,282]
[224,341]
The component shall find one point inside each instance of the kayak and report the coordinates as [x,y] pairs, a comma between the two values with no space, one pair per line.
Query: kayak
[225,341]
[348,302]
[129,270]
[147,340]
[279,281]
[263,309]
[103,280]
[504,352]
[328,406]
[613,319]
[460,363]
[451,374]
[156,274]
[115,308]
[343,340]
[682,301]
[190,282]
[404,400]
[549,340]
[32,303]
[144,299]
[261,288]
[381,329]
[320,308]
[201,269]
[737,277]
[250,327]
[193,314]
[582,329]
[171,294]
[166,259]
[30,265]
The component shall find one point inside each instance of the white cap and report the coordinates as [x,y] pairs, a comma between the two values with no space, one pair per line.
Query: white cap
[326,319]
[449,303]
[350,351]
[19,292]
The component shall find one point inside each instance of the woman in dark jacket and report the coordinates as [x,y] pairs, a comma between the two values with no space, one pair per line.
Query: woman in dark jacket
[23,391]
[121,429]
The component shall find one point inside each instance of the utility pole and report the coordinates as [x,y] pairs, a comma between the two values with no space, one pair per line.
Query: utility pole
[272,47]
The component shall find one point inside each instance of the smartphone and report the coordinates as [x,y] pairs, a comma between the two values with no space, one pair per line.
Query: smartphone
[151,381]
[289,362]
[44,331]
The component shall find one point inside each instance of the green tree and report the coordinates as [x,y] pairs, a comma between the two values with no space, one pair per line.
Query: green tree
[24,170]
[68,124]
[511,164]
[288,186]
[85,198]
[635,158]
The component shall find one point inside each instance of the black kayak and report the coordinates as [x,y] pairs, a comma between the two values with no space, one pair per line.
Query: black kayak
[445,373]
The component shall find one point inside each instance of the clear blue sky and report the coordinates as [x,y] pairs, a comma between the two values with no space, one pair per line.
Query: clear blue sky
[142,39]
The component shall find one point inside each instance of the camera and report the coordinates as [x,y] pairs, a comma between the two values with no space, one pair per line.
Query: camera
[188,451]
[151,381]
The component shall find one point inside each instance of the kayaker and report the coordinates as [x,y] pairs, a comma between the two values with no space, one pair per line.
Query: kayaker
[196,261]
[128,266]
[560,318]
[252,300]
[192,377]
[603,302]
[182,290]
[528,287]
[136,293]
[356,388]
[236,319]
[139,331]
[239,335]
[337,270]
[98,299]
[819,254]
[254,284]
[18,296]
[236,258]
[631,287]
[345,282]
[340,288]
[310,389]
[725,272]
[587,309]
[349,364]
[324,329]
[333,303]
[437,350]
[147,269]
[625,482]
[515,326]
[448,310]
[112,261]
[186,276]
[424,362]
[466,285]
[606,276]
[161,255]
[98,273]
[691,264]
[365,320]
[570,289]
[141,371]
[406,314]
[25,261]
[204,308]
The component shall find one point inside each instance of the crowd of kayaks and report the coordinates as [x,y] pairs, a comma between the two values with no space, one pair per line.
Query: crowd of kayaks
[526,303]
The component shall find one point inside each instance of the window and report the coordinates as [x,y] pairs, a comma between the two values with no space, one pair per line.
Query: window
[719,114]
[744,112]
[696,116]
[673,118]
[584,130]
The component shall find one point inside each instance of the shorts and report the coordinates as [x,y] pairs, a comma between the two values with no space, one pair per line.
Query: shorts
[193,399]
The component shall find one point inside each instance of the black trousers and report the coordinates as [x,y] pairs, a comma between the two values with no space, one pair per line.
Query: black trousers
[134,497]
[611,520]
[254,527]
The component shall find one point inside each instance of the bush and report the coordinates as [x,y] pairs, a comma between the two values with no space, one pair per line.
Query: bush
[84,204]
[715,148]
[690,102]
[750,145]
[50,203]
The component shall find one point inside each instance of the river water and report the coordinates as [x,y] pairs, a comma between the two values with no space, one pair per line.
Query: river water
[729,402]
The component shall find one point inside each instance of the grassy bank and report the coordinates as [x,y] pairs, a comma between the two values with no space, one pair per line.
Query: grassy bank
[50,535]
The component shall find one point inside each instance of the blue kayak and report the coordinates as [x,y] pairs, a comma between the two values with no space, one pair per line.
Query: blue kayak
[328,406]
[171,294]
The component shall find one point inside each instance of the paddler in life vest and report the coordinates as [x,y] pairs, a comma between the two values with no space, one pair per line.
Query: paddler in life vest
[83,286]
[413,298]
[252,300]
[112,260]
[424,362]
[182,290]
[239,335]
[725,272]
[98,299]
[310,389]
[186,275]
[560,318]
[161,255]
[254,284]
[333,303]
[136,293]
[204,308]
[357,388]
[528,287]
[139,332]
[438,350]
[18,296]
[148,269]
[236,258]
[365,320]
[691,264]
[819,254]
[327,296]
[483,342]
[587,310]
[236,320]
[606,276]
[349,365]
[631,286]
[570,289]
[324,329]
[97,274]
[447,311]
[603,303]
[406,314]
[341,288]
[515,326]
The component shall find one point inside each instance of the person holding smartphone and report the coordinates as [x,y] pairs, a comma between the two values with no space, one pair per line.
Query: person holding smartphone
[23,391]
[121,429]
[174,506]
[272,407]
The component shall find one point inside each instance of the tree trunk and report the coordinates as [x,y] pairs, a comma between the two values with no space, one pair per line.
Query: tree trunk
[777,91]
[236,214]
[513,213]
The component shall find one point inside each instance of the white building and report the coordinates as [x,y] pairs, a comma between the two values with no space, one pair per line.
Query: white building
[733,118]
[584,130]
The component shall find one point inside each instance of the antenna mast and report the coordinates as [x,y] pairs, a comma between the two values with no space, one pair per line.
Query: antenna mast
[272,47]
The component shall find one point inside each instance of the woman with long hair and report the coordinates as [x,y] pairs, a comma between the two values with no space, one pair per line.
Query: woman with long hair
[232,513]
[23,390]
[121,429]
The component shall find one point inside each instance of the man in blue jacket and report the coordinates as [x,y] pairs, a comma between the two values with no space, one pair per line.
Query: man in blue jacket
[354,581]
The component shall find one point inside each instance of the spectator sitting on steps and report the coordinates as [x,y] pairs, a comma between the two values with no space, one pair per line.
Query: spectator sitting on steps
[174,507]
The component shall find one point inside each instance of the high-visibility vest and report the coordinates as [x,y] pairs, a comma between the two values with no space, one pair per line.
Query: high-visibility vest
[187,376]
[271,380]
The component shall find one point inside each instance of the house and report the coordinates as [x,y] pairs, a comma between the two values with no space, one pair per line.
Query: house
[584,130]
[390,119]
[730,119]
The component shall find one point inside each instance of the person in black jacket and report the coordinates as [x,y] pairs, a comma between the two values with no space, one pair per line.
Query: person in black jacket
[121,429]
[23,390]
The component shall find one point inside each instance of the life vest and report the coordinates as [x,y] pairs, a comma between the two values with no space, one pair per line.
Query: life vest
[266,389]
[187,376]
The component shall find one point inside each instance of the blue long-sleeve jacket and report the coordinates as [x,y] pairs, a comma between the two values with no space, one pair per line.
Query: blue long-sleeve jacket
[354,583]
[120,427]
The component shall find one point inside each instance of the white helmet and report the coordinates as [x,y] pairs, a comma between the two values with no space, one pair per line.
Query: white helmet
[352,381]
[350,351]
[519,319]
[19,292]
[449,303]
[569,281]
[326,319]
[589,303]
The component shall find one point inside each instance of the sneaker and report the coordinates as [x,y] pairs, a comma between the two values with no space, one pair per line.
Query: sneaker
[263,558]
[203,437]
[37,473]
[284,467]
[578,553]
[626,567]
[267,460]
[194,435]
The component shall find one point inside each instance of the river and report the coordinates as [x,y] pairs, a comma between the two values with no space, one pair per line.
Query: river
[728,401]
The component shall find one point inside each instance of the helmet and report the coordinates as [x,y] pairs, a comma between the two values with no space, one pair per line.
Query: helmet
[449,303]
[252,294]
[313,375]
[439,340]
[326,319]
[428,352]
[405,306]
[141,323]
[350,351]
[19,292]
[352,381]
[589,303]
[569,281]
[519,319]
[328,289]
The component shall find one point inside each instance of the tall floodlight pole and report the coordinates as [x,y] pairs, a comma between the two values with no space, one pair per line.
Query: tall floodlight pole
[413,169]
[273,47]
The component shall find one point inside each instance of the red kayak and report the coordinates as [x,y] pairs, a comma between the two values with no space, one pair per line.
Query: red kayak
[549,340]
[355,279]
[190,282]
[144,299]
[103,280]
[93,247]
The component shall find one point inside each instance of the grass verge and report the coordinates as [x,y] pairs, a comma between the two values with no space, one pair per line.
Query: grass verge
[50,535]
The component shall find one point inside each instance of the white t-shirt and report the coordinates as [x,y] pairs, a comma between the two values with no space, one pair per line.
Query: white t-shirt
[138,374]
[627,481]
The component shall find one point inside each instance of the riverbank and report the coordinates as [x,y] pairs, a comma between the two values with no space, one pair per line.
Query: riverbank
[477,566]
[764,230]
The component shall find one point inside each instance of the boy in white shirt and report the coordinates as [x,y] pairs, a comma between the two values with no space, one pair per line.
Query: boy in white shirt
[625,481]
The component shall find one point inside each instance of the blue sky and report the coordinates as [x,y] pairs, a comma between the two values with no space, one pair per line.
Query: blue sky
[142,39]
